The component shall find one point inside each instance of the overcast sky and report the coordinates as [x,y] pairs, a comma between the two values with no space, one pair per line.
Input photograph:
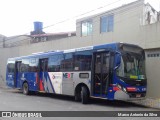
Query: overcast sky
[17,16]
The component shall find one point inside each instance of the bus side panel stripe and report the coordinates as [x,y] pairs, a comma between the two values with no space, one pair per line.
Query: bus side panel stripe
[41,85]
[51,88]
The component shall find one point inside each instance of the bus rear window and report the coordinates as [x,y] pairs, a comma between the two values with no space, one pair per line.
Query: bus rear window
[11,67]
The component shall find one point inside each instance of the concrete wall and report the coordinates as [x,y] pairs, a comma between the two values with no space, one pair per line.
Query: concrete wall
[153,72]
[17,40]
[127,28]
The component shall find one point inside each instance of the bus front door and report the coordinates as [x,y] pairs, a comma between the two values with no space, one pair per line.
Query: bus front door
[100,74]
[43,67]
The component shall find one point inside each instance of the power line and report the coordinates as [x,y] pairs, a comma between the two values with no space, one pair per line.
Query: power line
[82,14]
[118,21]
[70,18]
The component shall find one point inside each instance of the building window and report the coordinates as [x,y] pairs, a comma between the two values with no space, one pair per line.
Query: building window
[87,28]
[153,55]
[148,55]
[107,23]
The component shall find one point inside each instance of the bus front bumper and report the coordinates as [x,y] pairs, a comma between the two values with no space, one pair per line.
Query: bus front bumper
[121,95]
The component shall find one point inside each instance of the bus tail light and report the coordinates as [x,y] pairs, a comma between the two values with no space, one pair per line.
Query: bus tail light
[131,89]
[116,88]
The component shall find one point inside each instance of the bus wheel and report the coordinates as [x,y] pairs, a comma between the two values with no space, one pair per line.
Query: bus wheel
[84,95]
[25,88]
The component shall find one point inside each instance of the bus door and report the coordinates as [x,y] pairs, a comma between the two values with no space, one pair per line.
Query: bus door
[43,68]
[100,74]
[17,74]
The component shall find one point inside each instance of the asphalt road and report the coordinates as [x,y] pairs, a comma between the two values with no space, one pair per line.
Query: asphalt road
[14,100]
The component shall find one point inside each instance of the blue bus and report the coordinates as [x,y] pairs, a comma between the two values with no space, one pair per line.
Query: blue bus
[114,71]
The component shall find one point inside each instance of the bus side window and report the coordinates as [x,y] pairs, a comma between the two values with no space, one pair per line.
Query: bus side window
[67,63]
[33,65]
[55,63]
[82,61]
[24,65]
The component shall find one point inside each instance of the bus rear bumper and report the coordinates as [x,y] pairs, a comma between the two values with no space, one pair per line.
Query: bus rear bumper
[120,95]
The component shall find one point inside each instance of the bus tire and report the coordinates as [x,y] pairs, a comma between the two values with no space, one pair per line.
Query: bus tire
[25,88]
[77,97]
[84,95]
[77,94]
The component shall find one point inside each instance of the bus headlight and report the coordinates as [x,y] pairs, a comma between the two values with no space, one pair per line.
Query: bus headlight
[124,89]
[119,86]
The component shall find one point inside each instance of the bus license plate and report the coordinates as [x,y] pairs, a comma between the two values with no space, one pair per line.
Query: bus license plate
[138,95]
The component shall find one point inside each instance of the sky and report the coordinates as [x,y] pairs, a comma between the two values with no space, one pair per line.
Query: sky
[17,16]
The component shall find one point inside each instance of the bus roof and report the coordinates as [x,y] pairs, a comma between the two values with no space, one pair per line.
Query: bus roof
[110,46]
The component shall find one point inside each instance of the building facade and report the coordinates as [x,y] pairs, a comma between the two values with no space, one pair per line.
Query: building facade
[135,23]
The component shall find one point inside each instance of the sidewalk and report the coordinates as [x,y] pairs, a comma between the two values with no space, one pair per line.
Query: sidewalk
[149,102]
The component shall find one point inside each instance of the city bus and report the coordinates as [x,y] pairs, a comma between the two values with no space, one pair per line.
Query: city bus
[114,71]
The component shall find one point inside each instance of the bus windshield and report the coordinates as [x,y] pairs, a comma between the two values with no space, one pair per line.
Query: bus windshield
[132,66]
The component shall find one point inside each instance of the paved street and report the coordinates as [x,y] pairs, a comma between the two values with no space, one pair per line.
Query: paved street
[14,100]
